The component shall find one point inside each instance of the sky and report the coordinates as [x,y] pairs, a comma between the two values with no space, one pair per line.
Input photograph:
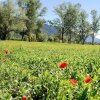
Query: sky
[88,5]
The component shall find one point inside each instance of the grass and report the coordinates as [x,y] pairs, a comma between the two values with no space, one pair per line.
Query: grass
[32,69]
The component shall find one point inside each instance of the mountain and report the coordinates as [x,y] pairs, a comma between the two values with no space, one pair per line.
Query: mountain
[49,29]
[96,40]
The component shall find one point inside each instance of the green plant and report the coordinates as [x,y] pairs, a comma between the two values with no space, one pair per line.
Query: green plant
[42,37]
[25,38]
[51,38]
[32,37]
[49,71]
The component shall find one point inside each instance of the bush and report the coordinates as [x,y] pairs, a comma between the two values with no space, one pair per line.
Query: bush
[42,37]
[32,37]
[56,39]
[10,35]
[51,39]
[25,38]
[65,39]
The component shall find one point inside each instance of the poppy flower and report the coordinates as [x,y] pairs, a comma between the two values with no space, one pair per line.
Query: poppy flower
[6,51]
[63,65]
[74,82]
[88,79]
[24,98]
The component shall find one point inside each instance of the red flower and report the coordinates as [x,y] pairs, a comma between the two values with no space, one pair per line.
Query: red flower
[24,98]
[6,51]
[63,65]
[72,81]
[88,79]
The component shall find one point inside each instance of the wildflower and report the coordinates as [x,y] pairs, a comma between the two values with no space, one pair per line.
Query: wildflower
[6,51]
[63,65]
[24,98]
[88,79]
[72,81]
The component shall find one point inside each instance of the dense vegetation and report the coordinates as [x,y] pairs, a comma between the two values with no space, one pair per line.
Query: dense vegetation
[32,70]
[25,17]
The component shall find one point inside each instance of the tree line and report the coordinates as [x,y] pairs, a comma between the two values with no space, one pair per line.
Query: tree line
[25,17]
[73,22]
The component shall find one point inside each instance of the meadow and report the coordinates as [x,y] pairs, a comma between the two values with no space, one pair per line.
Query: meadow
[33,70]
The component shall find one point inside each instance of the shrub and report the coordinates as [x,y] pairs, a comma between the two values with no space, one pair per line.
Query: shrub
[65,40]
[32,37]
[51,39]
[42,37]
[10,35]
[56,39]
[25,38]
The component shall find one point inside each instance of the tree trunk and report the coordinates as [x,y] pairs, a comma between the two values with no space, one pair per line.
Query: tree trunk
[4,36]
[70,37]
[62,34]
[22,36]
[93,39]
[82,39]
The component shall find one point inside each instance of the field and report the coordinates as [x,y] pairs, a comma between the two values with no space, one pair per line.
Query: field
[32,70]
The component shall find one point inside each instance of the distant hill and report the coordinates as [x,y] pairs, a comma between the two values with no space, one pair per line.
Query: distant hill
[96,40]
[49,29]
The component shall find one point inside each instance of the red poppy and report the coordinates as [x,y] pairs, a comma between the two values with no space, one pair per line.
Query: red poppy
[24,98]
[63,65]
[88,79]
[72,81]
[6,51]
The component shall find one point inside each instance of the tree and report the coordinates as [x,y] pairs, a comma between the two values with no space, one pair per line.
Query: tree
[68,15]
[7,16]
[84,26]
[71,20]
[33,22]
[61,12]
[95,24]
[20,22]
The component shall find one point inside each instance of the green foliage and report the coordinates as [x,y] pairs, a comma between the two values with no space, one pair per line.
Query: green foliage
[32,37]
[39,28]
[23,19]
[51,38]
[65,40]
[32,70]
[95,21]
[95,27]
[7,12]
[25,38]
[31,9]
[42,37]
[68,18]
[84,26]
[10,35]
[56,39]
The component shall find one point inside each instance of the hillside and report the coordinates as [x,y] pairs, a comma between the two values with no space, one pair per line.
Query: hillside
[49,29]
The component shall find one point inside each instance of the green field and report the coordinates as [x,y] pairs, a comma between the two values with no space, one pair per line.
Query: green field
[32,69]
